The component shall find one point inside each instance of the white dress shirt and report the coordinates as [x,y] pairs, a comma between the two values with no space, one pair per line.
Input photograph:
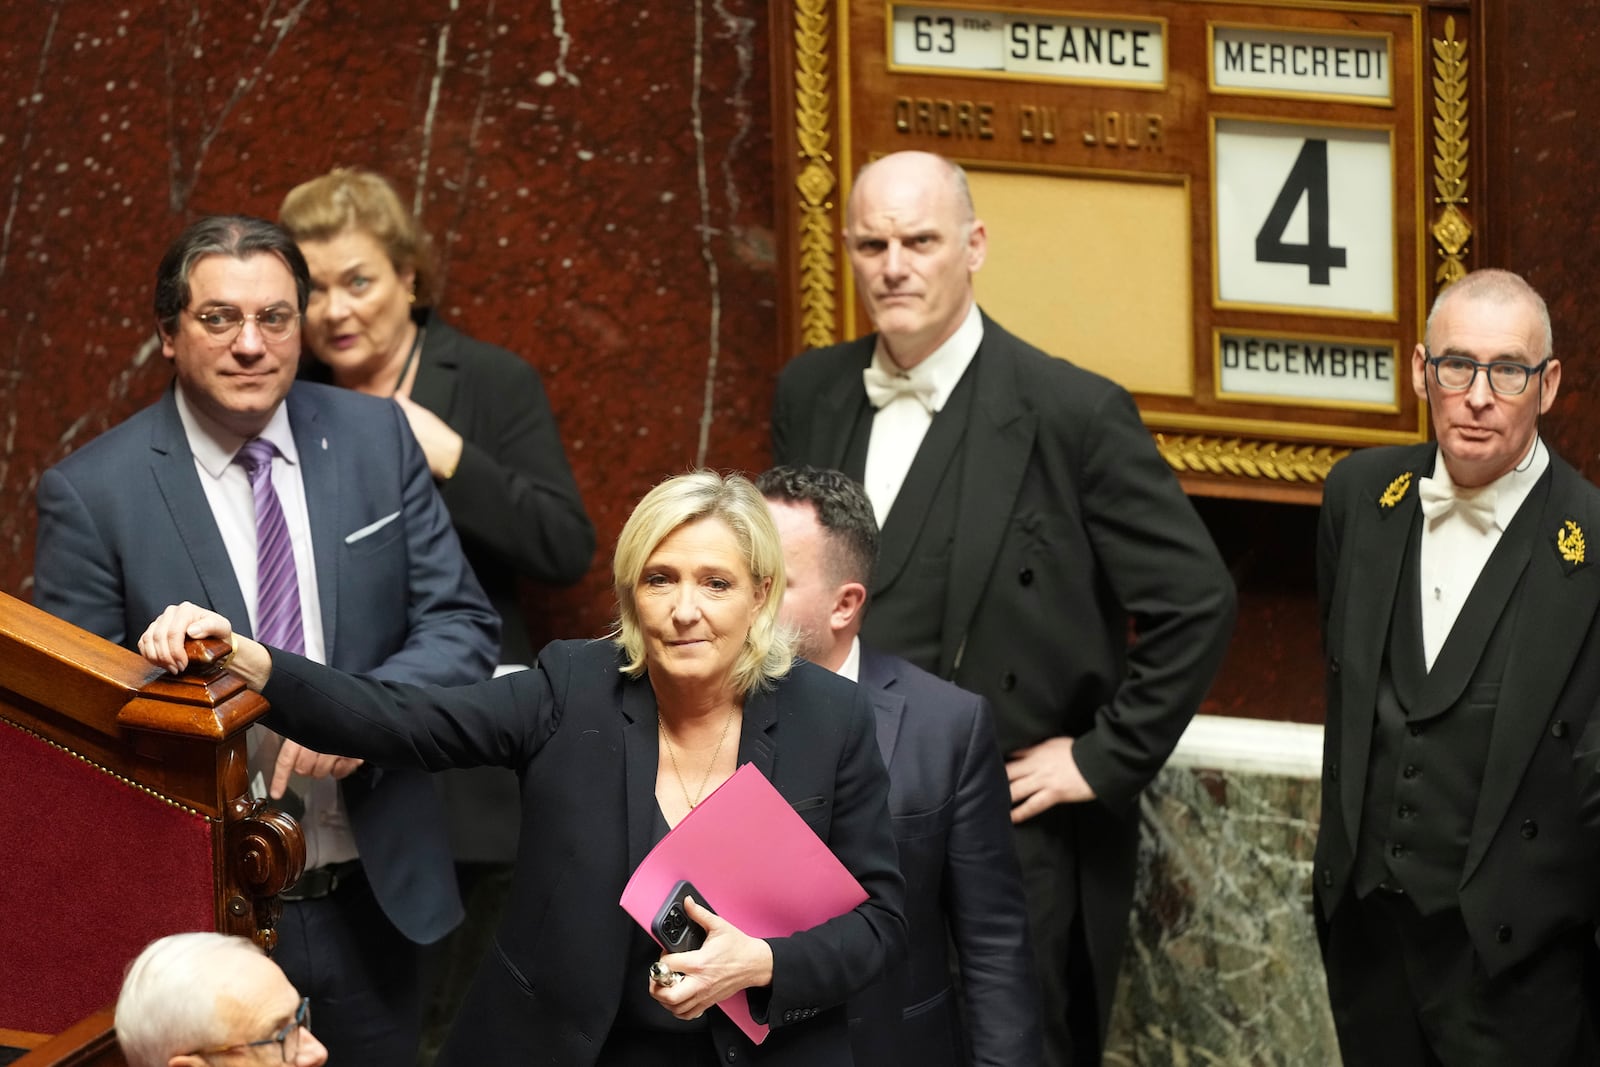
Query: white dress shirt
[233,505]
[851,667]
[900,425]
[1455,549]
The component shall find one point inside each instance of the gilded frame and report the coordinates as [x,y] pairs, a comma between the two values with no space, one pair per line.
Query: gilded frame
[1268,458]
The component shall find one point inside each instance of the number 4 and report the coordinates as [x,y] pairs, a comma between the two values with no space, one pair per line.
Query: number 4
[1308,178]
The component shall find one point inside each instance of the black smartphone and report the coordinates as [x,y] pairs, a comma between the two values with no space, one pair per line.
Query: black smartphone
[673,928]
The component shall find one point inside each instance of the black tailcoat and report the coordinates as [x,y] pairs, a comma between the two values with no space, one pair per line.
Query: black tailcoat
[1070,528]
[1532,861]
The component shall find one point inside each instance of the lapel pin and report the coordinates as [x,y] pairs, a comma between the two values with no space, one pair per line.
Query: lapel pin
[1396,492]
[1569,542]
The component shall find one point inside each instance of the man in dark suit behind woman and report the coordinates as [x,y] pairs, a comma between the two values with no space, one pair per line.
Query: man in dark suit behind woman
[1457,869]
[947,798]
[1027,521]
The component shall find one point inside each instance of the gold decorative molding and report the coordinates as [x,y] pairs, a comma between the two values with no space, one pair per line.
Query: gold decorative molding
[1451,228]
[1242,458]
[817,180]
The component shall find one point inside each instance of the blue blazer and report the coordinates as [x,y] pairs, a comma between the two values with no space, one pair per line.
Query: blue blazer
[951,810]
[583,738]
[125,530]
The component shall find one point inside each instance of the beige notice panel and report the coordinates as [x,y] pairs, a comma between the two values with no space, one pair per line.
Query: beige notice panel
[1060,252]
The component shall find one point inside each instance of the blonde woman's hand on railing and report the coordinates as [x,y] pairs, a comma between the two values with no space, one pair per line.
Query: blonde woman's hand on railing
[162,643]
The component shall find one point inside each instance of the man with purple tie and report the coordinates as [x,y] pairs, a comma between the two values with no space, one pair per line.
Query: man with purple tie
[309,512]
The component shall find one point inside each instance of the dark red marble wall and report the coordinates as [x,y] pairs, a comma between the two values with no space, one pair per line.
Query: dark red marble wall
[598,177]
[1546,225]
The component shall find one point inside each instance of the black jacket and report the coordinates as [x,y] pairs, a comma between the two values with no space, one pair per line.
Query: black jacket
[583,738]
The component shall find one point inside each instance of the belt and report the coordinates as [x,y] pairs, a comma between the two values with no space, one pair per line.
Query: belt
[320,882]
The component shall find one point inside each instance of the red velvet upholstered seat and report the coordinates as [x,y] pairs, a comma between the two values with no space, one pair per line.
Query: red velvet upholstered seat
[123,816]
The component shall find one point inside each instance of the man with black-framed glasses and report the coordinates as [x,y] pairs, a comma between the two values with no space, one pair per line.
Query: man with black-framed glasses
[1457,874]
[208,1000]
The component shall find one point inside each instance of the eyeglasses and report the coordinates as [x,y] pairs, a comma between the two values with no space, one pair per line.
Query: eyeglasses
[1506,377]
[287,1039]
[224,322]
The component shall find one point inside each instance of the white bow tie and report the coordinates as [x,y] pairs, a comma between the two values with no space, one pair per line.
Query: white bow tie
[1474,505]
[882,387]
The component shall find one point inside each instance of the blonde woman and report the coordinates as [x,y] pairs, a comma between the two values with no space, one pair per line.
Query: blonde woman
[615,742]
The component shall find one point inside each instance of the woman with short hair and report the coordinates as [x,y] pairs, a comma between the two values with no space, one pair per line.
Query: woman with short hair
[479,412]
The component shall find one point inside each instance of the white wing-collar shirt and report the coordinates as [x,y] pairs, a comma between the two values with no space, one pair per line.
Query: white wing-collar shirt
[1456,546]
[899,426]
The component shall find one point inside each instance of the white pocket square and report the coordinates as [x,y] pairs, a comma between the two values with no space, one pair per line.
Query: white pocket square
[371,528]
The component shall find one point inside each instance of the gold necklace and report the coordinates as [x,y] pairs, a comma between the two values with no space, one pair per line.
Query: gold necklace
[678,771]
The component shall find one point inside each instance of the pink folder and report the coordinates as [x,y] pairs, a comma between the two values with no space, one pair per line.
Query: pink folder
[758,865]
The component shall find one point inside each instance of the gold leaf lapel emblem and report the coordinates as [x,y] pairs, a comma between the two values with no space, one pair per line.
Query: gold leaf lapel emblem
[1396,491]
[1569,540]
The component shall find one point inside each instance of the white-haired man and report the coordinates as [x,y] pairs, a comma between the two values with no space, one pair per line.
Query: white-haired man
[193,1000]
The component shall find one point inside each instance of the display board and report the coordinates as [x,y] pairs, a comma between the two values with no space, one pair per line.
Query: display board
[1239,210]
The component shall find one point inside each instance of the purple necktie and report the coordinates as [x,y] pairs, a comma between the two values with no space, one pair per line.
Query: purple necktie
[277,585]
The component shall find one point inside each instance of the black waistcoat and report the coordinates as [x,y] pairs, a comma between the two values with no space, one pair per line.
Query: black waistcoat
[912,576]
[1430,740]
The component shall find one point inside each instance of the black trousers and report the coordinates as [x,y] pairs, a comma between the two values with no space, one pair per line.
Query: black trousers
[362,975]
[1070,1013]
[1408,990]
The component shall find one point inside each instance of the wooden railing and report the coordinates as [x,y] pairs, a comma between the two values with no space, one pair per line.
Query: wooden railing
[124,815]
